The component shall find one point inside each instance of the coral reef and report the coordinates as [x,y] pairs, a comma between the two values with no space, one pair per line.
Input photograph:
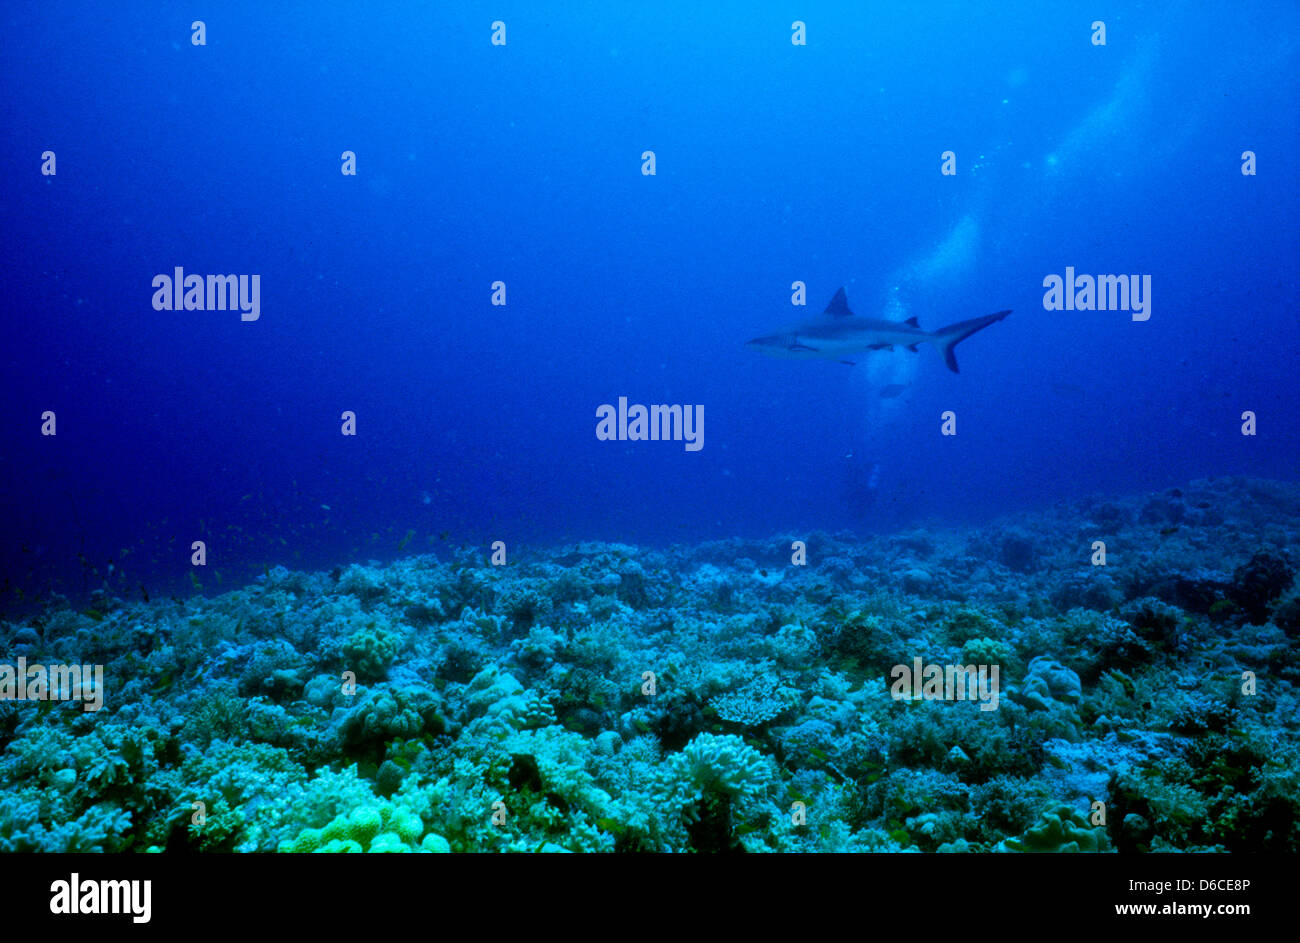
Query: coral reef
[715,697]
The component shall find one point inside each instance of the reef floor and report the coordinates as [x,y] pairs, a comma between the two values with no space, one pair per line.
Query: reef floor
[1113,674]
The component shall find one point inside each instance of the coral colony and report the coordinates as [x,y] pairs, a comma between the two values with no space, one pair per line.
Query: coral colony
[989,689]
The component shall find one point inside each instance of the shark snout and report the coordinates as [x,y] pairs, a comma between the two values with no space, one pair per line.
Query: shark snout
[764,344]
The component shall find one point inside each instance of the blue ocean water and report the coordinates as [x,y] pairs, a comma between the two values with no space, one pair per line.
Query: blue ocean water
[355,562]
[522,163]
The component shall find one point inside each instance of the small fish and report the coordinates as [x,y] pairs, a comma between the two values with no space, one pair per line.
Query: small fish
[892,391]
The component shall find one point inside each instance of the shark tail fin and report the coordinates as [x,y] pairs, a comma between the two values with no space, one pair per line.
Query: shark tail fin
[946,338]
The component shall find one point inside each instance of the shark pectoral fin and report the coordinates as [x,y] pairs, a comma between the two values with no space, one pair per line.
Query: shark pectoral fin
[912,322]
[798,346]
[881,347]
[912,347]
[848,363]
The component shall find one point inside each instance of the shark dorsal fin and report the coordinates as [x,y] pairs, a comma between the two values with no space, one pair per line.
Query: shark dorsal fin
[839,306]
[911,322]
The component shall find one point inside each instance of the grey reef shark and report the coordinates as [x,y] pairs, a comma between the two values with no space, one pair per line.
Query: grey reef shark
[839,334]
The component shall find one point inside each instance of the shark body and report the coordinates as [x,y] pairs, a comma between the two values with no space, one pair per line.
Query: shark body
[840,334]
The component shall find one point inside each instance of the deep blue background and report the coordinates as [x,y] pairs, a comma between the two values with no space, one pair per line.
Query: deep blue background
[522,163]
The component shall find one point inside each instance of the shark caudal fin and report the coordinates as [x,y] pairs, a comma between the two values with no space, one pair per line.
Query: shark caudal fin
[946,338]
